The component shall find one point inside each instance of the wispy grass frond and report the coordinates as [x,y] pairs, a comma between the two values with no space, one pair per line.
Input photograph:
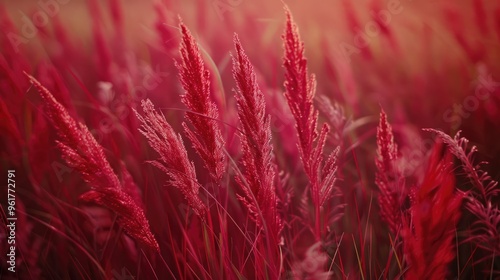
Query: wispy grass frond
[204,133]
[434,214]
[258,181]
[81,152]
[173,159]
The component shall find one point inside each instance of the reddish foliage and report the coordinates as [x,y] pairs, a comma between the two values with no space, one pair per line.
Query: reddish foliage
[81,151]
[205,135]
[129,186]
[434,215]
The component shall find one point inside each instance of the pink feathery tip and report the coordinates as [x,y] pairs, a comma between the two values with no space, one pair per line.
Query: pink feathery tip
[81,152]
[390,191]
[117,13]
[173,159]
[203,132]
[300,90]
[258,180]
[480,179]
[434,215]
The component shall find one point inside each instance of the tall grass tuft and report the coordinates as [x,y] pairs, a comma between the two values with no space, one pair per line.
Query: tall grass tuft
[132,162]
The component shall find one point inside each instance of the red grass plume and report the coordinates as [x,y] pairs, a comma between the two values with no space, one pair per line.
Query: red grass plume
[8,127]
[385,178]
[81,152]
[485,230]
[300,90]
[434,214]
[258,179]
[205,133]
[173,155]
[129,185]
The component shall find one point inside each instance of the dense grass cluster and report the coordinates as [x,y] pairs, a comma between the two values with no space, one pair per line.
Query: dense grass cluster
[189,158]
